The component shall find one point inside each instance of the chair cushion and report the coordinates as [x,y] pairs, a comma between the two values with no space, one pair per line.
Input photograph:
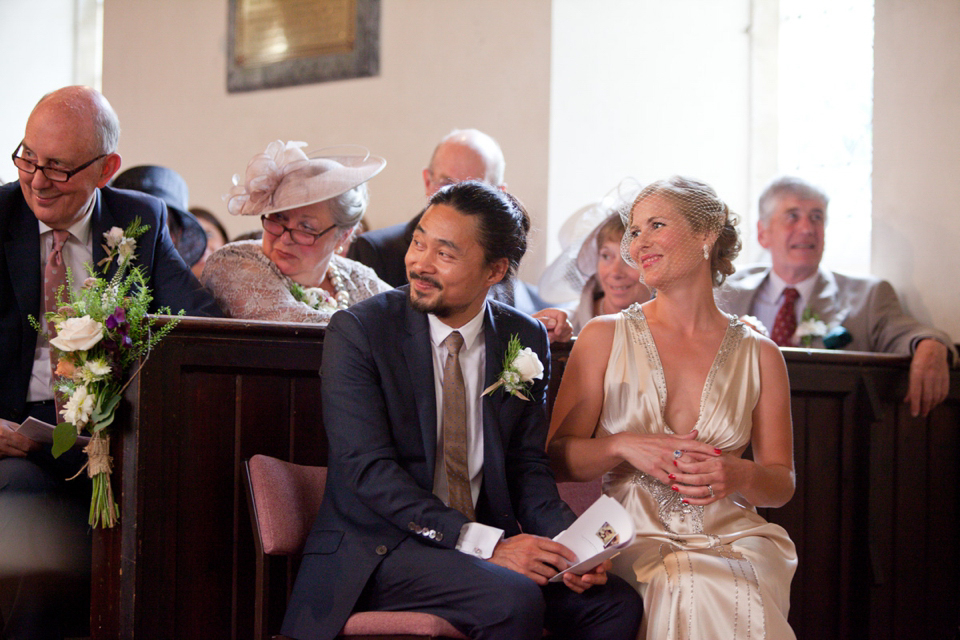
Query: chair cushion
[399,622]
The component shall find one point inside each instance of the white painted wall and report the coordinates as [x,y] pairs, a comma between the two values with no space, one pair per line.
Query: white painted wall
[443,65]
[635,94]
[916,161]
[37,58]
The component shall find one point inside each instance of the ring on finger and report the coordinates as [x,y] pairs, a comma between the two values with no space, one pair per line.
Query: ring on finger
[677,453]
[710,489]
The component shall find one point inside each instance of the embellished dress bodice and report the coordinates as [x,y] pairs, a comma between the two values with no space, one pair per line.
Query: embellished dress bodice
[711,571]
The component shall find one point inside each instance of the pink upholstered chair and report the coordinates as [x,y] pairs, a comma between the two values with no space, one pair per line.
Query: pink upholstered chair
[284,499]
[580,495]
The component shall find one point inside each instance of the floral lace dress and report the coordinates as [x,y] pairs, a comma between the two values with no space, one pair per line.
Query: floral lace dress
[246,284]
[714,571]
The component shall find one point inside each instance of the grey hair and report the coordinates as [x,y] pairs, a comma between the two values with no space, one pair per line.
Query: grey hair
[348,207]
[788,185]
[485,146]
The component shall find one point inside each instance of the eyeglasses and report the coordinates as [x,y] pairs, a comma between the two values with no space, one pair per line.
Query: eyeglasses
[53,175]
[304,238]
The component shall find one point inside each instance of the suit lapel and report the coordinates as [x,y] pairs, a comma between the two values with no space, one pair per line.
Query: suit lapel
[824,301]
[22,247]
[495,434]
[418,355]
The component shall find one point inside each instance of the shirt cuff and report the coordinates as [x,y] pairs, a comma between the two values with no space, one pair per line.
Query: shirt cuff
[479,539]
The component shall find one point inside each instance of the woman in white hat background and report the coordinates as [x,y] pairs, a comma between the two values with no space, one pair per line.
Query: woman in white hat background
[309,207]
[591,269]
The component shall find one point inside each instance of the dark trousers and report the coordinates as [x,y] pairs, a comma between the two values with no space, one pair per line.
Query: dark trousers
[484,600]
[45,543]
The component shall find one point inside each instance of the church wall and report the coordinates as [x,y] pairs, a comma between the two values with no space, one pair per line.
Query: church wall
[443,65]
[916,168]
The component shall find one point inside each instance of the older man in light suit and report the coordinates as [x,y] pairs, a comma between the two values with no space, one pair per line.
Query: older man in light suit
[793,215]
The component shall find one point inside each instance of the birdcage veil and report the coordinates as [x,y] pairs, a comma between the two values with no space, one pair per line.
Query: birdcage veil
[675,223]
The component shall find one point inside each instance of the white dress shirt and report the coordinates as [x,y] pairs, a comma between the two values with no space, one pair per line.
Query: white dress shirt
[770,298]
[475,538]
[77,252]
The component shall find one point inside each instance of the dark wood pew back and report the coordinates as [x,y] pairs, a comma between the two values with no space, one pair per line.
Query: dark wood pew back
[874,517]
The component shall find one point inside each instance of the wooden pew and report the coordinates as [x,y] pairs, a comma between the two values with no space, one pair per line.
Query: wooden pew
[874,517]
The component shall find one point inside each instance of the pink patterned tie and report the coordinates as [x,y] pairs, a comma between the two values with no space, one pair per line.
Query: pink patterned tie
[455,429]
[785,324]
[54,276]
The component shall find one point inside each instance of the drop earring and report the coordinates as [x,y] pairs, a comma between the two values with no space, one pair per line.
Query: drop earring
[706,252]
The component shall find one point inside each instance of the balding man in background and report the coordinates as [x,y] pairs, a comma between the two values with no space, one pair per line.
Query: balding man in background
[463,154]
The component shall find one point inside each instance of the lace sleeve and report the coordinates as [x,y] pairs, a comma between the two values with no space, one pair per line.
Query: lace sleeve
[247,285]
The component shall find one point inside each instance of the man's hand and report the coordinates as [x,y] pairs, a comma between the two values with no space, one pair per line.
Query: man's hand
[581,583]
[535,557]
[12,444]
[929,377]
[558,327]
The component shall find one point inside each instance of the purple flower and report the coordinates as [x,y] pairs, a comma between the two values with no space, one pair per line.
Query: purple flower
[118,319]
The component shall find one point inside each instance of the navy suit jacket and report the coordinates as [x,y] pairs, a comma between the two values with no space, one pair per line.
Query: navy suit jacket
[380,414]
[21,275]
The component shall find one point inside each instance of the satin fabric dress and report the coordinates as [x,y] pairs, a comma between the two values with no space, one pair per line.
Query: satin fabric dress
[714,571]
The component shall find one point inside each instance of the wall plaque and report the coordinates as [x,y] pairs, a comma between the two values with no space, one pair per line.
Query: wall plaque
[280,43]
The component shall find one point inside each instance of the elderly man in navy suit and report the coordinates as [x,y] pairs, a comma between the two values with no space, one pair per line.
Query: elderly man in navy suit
[67,156]
[439,496]
[793,216]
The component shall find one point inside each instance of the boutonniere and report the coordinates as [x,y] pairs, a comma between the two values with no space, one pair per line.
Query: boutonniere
[810,327]
[521,367]
[121,244]
[314,297]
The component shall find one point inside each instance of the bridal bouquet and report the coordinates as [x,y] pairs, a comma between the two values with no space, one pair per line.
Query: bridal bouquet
[102,330]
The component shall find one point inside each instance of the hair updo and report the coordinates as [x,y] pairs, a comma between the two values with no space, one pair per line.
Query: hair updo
[700,206]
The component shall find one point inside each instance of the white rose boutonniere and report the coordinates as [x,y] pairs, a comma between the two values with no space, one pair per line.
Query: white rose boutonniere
[77,334]
[521,367]
[810,327]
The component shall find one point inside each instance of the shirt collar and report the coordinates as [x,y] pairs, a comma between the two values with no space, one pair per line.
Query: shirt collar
[79,229]
[804,287]
[470,331]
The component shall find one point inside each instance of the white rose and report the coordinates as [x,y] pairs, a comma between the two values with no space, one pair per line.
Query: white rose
[79,407]
[811,327]
[113,237]
[126,249]
[77,334]
[528,365]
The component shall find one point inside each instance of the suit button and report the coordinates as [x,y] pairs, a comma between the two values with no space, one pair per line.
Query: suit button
[439,536]
[432,534]
[412,526]
[382,550]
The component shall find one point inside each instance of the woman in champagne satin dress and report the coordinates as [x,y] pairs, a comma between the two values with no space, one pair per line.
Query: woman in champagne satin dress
[661,400]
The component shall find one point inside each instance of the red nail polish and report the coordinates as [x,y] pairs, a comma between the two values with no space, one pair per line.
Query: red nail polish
[717,451]
[685,501]
[672,477]
[674,487]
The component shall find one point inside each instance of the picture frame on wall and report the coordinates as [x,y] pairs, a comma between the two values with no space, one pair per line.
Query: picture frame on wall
[282,43]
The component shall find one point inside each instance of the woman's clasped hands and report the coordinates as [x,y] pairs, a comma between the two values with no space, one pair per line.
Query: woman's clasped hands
[699,472]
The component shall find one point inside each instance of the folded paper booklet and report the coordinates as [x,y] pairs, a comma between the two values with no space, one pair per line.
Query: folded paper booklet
[600,533]
[42,432]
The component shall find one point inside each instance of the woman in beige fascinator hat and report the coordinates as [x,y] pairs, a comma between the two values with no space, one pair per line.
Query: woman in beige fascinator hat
[309,206]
